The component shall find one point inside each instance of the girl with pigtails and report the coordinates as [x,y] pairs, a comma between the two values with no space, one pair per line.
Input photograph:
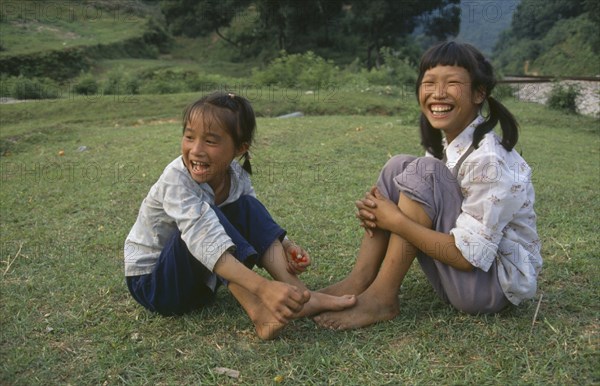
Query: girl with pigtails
[201,227]
[464,211]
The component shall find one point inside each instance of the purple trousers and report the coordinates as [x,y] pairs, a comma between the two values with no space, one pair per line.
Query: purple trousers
[429,182]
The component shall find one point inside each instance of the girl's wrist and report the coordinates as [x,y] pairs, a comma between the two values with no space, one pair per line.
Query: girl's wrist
[286,243]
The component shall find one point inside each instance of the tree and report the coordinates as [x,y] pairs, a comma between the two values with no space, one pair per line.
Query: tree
[382,22]
[294,23]
[196,18]
[553,37]
[300,25]
[534,18]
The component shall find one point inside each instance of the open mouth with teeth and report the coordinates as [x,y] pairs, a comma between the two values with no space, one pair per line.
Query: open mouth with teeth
[198,167]
[440,109]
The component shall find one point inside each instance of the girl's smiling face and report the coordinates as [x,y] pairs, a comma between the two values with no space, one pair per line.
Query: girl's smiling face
[447,101]
[207,151]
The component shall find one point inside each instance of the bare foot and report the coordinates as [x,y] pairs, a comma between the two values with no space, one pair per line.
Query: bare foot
[345,286]
[265,323]
[320,302]
[267,326]
[369,309]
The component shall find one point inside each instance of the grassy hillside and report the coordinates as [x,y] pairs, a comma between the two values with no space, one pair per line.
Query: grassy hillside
[35,26]
[61,40]
[67,317]
[552,38]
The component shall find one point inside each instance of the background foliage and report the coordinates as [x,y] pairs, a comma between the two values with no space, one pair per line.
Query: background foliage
[552,37]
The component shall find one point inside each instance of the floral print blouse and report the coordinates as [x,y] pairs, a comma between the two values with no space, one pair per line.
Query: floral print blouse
[497,222]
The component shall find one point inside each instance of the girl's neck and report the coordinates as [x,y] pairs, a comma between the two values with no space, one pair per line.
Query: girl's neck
[451,136]
[221,188]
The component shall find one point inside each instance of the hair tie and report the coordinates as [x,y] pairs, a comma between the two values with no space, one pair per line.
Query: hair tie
[231,95]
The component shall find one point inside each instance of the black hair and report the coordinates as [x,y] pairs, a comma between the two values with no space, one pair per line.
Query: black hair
[231,112]
[482,80]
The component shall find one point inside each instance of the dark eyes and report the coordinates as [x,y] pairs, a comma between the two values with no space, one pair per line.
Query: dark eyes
[208,141]
[428,83]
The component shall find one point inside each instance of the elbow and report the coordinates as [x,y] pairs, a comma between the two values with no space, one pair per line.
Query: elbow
[465,266]
[462,264]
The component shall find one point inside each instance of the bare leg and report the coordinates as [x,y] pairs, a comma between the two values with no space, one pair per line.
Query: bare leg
[370,255]
[270,304]
[274,261]
[379,301]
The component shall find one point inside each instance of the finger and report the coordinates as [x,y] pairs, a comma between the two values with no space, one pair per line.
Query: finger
[368,201]
[366,227]
[366,215]
[296,295]
[299,266]
[302,268]
[371,224]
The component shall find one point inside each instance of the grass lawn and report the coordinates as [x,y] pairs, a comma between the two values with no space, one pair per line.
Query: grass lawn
[67,317]
[33,26]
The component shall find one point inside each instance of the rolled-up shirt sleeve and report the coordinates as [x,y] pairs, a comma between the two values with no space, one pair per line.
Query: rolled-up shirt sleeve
[203,234]
[492,197]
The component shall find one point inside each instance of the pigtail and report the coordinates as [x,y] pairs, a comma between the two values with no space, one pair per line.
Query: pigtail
[508,124]
[246,165]
[431,139]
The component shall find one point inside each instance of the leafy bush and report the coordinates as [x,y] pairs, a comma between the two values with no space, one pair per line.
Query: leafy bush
[163,86]
[59,65]
[395,70]
[119,83]
[112,86]
[171,81]
[132,85]
[503,91]
[87,85]
[563,98]
[298,70]
[25,88]
[164,81]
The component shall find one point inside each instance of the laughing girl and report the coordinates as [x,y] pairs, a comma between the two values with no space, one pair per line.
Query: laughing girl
[201,226]
[464,211]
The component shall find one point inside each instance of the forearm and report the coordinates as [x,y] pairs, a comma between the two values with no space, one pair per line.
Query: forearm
[438,245]
[229,268]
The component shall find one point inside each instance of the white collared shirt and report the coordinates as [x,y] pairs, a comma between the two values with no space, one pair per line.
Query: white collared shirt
[174,202]
[497,220]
